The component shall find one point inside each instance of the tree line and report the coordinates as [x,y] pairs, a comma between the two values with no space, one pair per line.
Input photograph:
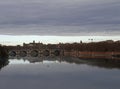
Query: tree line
[93,46]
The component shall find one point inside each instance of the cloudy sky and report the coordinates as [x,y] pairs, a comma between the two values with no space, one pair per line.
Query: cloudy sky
[60,17]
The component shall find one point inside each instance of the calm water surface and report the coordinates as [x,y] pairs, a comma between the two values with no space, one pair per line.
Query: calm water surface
[57,73]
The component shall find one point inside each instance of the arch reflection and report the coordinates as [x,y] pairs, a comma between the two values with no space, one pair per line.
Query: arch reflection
[101,63]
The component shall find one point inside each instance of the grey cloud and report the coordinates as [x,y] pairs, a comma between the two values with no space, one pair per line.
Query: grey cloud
[61,30]
[60,17]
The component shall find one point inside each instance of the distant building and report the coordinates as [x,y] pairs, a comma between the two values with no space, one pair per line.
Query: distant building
[109,41]
[33,44]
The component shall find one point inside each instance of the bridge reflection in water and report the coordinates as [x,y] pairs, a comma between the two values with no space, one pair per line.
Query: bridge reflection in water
[102,63]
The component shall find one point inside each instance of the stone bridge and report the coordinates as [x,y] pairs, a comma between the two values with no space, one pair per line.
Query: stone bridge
[34,52]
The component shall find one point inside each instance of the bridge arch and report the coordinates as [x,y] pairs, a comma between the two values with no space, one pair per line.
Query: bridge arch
[34,53]
[56,52]
[12,53]
[23,53]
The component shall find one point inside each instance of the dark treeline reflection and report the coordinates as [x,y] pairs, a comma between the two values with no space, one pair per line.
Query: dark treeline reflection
[3,62]
[102,63]
[3,57]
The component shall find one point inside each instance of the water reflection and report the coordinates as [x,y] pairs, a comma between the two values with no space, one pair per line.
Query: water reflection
[59,73]
[101,63]
[3,62]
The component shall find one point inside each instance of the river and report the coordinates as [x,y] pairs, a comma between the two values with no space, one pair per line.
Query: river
[59,73]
